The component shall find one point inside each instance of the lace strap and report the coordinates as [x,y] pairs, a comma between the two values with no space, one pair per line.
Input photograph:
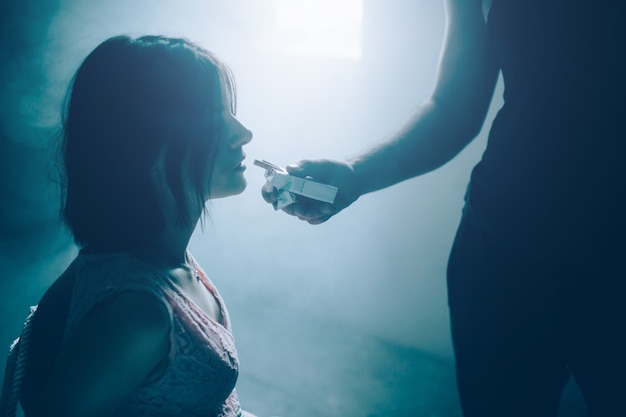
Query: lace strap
[15,369]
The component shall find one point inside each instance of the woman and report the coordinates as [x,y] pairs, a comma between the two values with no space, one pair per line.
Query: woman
[134,327]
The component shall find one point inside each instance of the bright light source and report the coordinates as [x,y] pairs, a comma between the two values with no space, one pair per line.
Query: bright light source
[326,28]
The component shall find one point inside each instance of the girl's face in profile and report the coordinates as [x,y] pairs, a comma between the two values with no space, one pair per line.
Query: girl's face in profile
[228,170]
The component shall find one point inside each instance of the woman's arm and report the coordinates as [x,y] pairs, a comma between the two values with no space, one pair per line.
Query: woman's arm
[115,348]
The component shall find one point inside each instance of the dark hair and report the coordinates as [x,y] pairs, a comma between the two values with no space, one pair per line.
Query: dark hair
[130,99]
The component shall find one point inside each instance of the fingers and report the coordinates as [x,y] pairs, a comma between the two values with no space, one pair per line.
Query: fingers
[304,209]
[311,213]
[324,171]
[270,194]
[291,210]
[319,220]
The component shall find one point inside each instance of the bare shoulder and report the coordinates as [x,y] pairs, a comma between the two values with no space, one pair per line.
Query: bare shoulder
[132,328]
[131,310]
[115,348]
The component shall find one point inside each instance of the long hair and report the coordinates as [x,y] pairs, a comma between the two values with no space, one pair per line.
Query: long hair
[130,100]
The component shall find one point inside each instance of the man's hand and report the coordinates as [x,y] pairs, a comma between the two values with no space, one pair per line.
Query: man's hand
[339,174]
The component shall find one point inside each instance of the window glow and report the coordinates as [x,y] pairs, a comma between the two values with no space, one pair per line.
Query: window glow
[324,28]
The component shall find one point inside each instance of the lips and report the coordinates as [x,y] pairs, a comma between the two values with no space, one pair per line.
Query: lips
[241,159]
[240,164]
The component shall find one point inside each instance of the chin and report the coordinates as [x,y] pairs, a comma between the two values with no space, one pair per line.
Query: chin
[231,190]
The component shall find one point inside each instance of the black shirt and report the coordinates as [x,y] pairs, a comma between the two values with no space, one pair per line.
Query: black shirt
[552,175]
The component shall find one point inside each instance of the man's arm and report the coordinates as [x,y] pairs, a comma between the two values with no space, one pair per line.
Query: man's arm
[434,134]
[440,128]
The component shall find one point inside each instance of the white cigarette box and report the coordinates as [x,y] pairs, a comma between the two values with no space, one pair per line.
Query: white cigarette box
[279,178]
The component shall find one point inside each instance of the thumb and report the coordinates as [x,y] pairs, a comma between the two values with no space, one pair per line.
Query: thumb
[305,168]
[296,168]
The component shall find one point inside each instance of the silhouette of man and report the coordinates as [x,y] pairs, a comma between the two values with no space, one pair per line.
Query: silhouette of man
[536,277]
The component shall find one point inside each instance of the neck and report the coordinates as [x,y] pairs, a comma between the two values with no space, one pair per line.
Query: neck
[167,249]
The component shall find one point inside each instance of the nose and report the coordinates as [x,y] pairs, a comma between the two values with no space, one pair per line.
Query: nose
[242,136]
